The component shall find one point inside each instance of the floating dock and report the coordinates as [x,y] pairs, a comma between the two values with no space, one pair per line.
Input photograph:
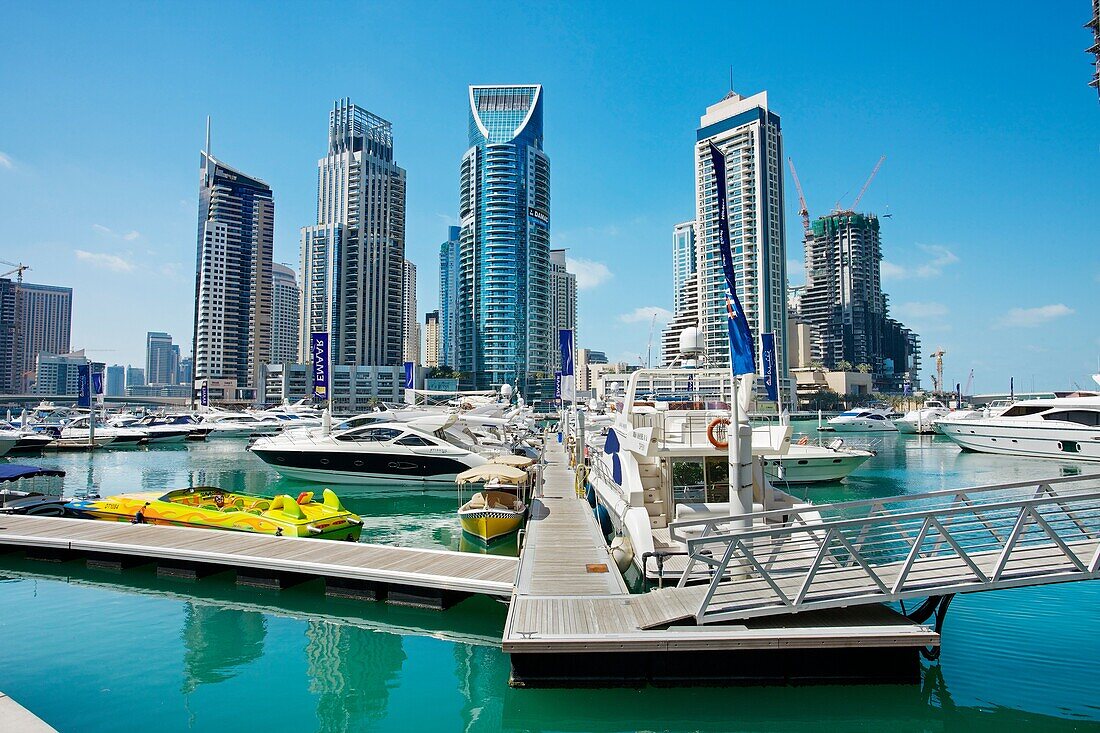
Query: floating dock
[401,575]
[14,718]
[573,622]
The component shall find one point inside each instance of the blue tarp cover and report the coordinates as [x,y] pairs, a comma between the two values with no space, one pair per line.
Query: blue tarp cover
[14,472]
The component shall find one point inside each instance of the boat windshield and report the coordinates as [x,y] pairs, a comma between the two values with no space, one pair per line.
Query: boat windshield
[1090,418]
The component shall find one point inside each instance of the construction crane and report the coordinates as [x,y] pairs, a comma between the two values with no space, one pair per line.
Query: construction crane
[18,271]
[938,354]
[802,210]
[870,178]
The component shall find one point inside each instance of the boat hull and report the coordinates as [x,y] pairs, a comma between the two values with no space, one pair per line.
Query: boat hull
[863,426]
[1026,441]
[816,470]
[363,468]
[489,525]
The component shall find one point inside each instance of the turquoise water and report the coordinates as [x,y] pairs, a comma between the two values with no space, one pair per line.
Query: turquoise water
[100,651]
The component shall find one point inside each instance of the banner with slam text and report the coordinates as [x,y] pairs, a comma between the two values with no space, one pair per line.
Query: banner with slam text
[318,356]
[83,385]
[568,377]
[742,358]
[410,375]
[557,385]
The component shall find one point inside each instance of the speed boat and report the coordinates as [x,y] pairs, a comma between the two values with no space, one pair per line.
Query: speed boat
[920,421]
[31,490]
[1059,427]
[78,429]
[863,420]
[239,425]
[209,507]
[25,439]
[417,451]
[807,463]
[7,442]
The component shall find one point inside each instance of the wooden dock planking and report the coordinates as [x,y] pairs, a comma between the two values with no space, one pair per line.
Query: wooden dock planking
[436,569]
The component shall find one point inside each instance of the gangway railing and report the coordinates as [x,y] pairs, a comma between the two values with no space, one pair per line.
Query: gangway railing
[811,557]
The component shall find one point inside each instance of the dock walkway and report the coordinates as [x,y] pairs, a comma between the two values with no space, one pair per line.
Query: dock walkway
[568,625]
[14,718]
[407,575]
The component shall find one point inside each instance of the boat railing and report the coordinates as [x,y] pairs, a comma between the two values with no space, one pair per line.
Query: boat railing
[895,548]
[676,429]
[835,443]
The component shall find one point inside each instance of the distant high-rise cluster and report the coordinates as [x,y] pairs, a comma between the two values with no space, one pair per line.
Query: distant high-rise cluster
[162,359]
[233,277]
[448,297]
[285,297]
[431,339]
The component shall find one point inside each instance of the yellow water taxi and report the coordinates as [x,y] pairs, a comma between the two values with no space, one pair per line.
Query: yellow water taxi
[213,508]
[492,514]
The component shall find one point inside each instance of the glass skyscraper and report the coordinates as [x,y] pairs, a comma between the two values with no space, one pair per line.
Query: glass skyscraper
[503,320]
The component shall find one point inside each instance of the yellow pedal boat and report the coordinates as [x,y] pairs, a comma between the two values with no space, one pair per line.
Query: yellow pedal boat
[212,508]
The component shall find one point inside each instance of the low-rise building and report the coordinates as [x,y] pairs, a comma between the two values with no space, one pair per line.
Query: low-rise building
[354,389]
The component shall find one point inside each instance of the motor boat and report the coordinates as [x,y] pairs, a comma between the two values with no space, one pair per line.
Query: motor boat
[157,428]
[239,425]
[807,463]
[666,461]
[78,429]
[26,440]
[31,490]
[414,452]
[920,421]
[863,420]
[497,511]
[1058,427]
[7,441]
[209,507]
[962,413]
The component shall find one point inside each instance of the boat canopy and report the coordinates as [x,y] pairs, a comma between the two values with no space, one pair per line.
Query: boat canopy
[511,460]
[15,472]
[489,471]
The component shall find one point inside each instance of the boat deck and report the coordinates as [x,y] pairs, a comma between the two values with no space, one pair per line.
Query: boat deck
[349,568]
[572,620]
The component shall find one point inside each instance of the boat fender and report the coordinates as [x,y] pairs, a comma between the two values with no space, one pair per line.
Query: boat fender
[804,440]
[622,552]
[711,433]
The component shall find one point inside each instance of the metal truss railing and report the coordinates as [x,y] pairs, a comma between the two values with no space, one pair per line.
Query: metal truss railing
[895,548]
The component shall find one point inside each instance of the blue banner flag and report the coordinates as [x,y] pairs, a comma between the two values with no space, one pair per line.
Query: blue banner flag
[742,359]
[97,383]
[204,394]
[557,385]
[568,377]
[318,354]
[83,385]
[410,375]
[771,371]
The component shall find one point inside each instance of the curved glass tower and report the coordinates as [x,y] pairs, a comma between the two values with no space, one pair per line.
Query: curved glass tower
[502,325]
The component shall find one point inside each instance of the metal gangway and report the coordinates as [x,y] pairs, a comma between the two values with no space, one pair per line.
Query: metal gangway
[928,545]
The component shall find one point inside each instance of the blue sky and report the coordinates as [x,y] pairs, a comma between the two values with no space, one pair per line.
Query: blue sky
[991,133]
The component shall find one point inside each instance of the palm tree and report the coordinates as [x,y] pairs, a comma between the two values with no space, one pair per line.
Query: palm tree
[863,368]
[844,365]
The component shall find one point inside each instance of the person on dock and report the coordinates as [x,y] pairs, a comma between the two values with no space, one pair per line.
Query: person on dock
[139,516]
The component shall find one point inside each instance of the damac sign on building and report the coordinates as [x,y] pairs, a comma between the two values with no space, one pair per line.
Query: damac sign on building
[538,214]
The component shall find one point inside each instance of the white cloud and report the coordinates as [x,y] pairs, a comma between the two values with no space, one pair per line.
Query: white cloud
[938,257]
[108,232]
[921,310]
[1029,317]
[105,261]
[645,315]
[6,161]
[589,273]
[102,229]
[131,235]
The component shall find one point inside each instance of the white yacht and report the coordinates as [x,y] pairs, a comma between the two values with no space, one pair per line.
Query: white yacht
[7,442]
[662,462]
[387,452]
[78,429]
[920,421]
[863,420]
[225,424]
[1059,427]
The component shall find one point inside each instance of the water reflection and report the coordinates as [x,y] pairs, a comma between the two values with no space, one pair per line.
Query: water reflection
[217,641]
[351,672]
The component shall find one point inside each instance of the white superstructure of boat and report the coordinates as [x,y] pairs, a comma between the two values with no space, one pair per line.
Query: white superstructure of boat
[807,463]
[659,463]
[863,420]
[1060,427]
[920,421]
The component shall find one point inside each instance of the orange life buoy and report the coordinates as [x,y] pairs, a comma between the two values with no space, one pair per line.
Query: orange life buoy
[719,444]
[804,440]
